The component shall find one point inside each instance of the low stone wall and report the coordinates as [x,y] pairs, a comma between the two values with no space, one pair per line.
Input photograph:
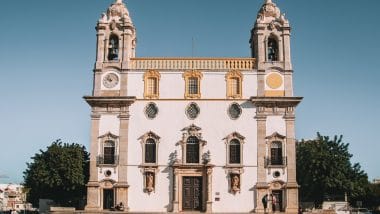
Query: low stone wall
[62,210]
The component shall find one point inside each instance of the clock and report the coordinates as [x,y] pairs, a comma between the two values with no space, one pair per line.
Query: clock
[110,80]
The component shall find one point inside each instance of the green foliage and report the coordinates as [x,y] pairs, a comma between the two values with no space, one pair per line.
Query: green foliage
[59,173]
[324,169]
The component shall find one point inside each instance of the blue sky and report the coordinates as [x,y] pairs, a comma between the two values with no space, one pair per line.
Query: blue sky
[47,52]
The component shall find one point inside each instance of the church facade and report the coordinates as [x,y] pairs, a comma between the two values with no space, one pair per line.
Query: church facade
[192,134]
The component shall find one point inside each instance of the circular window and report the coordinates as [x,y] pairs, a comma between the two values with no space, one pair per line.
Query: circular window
[108,173]
[192,111]
[276,174]
[234,111]
[151,110]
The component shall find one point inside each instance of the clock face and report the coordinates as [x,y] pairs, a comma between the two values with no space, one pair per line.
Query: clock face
[110,80]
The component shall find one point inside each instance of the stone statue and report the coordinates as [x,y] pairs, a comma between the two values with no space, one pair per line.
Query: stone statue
[235,183]
[149,182]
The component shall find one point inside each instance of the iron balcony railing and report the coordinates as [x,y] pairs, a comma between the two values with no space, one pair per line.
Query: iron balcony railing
[107,160]
[273,162]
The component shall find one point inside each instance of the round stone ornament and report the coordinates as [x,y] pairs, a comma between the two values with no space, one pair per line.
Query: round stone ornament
[110,80]
[274,80]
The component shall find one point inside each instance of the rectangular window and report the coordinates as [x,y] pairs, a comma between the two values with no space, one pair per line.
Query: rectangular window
[152,86]
[235,154]
[193,85]
[150,152]
[109,155]
[276,156]
[235,86]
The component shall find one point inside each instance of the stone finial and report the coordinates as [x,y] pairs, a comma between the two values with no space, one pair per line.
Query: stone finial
[268,12]
[118,11]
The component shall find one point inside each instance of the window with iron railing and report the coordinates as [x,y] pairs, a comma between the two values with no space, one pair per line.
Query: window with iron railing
[107,160]
[279,161]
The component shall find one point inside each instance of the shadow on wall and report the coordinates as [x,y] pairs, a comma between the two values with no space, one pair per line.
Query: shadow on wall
[169,171]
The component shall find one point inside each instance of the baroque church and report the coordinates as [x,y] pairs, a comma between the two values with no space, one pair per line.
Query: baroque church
[192,134]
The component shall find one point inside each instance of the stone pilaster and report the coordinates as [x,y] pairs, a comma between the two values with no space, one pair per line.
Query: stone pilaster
[261,83]
[106,49]
[291,186]
[288,81]
[287,53]
[97,83]
[209,190]
[176,191]
[93,191]
[126,45]
[123,83]
[261,186]
[122,184]
[100,49]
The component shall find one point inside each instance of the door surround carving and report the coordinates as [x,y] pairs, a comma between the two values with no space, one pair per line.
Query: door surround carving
[180,171]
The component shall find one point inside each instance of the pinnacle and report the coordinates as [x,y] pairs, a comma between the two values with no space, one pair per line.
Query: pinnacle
[119,1]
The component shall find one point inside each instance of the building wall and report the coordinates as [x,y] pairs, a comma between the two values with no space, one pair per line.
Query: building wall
[216,125]
[172,84]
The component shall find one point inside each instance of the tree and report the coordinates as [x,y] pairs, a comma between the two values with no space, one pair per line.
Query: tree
[324,170]
[59,173]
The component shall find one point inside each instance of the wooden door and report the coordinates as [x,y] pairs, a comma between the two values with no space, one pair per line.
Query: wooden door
[192,193]
[108,199]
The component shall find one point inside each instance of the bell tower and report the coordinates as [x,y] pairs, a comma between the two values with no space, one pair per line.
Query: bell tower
[116,45]
[270,45]
[116,41]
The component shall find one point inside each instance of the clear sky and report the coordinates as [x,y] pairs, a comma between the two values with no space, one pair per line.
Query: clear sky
[47,52]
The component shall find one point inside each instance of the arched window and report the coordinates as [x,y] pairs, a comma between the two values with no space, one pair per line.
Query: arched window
[149,145]
[272,49]
[150,151]
[234,152]
[113,48]
[276,153]
[109,152]
[192,150]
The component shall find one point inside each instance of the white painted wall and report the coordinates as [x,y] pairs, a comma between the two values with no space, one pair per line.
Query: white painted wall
[276,124]
[216,125]
[102,176]
[172,85]
[109,123]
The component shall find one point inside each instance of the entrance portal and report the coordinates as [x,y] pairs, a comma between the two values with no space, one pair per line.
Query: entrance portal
[108,199]
[278,195]
[192,194]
